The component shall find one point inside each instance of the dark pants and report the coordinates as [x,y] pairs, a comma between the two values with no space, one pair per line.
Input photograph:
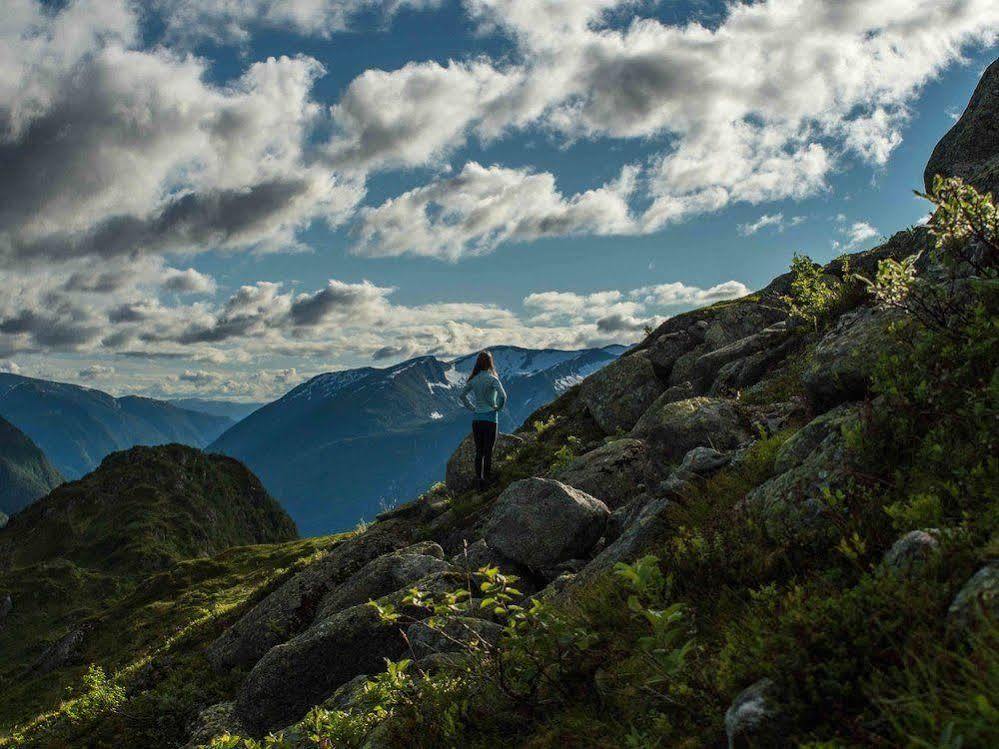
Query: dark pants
[484,434]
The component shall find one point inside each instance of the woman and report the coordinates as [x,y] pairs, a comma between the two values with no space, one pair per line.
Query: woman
[490,398]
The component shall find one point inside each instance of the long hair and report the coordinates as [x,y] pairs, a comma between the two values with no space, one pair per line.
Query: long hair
[483,363]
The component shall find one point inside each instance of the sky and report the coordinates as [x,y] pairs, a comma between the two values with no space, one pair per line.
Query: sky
[222,198]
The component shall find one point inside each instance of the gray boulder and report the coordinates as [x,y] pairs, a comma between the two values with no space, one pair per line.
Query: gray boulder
[970,149]
[614,473]
[459,475]
[912,552]
[842,363]
[703,461]
[791,506]
[666,349]
[979,598]
[673,429]
[620,392]
[804,442]
[541,522]
[455,634]
[382,576]
[293,606]
[764,347]
[753,717]
[298,674]
[214,721]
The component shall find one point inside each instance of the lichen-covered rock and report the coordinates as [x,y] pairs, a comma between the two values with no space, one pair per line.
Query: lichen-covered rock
[842,363]
[541,522]
[970,149]
[791,506]
[753,717]
[456,633]
[977,599]
[214,721]
[673,429]
[459,475]
[666,349]
[912,552]
[768,342]
[477,555]
[620,392]
[296,675]
[614,473]
[703,461]
[383,575]
[804,441]
[293,606]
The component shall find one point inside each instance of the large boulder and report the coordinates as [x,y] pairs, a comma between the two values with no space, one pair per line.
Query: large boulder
[454,634]
[620,392]
[614,473]
[806,440]
[296,675]
[383,575]
[912,552]
[293,606]
[791,506]
[978,599]
[842,363]
[675,428]
[541,522]
[970,149]
[753,718]
[760,348]
[214,721]
[459,476]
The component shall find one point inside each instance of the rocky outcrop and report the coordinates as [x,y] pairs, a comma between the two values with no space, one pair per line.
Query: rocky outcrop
[459,476]
[753,717]
[978,599]
[620,392]
[970,149]
[541,522]
[454,634]
[842,363]
[387,573]
[673,429]
[614,473]
[293,606]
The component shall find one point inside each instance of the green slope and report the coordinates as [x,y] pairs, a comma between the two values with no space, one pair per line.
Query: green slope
[25,473]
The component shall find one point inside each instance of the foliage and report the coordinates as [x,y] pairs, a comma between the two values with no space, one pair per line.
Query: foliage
[565,454]
[815,296]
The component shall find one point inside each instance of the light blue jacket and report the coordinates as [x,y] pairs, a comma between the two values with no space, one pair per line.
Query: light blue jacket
[489,396]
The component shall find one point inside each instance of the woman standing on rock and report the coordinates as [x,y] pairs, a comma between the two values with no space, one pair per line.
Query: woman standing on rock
[489,399]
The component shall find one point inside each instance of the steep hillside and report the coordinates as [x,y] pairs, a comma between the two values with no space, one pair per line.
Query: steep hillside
[111,540]
[345,445]
[77,427]
[228,409]
[773,523]
[25,472]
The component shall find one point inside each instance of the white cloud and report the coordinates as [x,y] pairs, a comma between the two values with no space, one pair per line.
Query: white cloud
[9,367]
[480,207]
[855,235]
[188,281]
[767,219]
[95,372]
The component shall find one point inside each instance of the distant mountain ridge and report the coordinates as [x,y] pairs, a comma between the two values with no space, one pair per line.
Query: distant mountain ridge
[227,409]
[76,427]
[345,444]
[25,472]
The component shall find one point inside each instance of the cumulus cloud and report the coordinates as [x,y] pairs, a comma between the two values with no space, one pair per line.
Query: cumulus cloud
[767,219]
[855,235]
[188,281]
[95,372]
[480,207]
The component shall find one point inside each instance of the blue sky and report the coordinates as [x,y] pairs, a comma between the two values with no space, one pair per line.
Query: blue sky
[221,199]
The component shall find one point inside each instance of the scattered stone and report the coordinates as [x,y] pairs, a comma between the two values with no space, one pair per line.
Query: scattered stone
[614,473]
[673,429]
[979,598]
[541,522]
[459,475]
[620,392]
[912,552]
[703,461]
[752,718]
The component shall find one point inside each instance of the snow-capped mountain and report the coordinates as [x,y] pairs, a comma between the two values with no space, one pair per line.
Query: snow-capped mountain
[343,445]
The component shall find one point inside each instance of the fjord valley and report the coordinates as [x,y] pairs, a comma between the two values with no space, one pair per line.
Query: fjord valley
[772,522]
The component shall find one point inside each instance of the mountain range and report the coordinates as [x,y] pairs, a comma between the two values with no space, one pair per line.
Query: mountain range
[234,410]
[25,473]
[346,445]
[76,427]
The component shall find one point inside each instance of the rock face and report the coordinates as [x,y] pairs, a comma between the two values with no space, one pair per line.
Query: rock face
[842,363]
[676,428]
[970,149]
[459,475]
[979,597]
[382,576]
[619,393]
[614,473]
[541,522]
[293,606]
[752,718]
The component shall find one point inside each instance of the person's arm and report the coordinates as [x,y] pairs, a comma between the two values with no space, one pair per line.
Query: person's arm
[500,395]
[463,397]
